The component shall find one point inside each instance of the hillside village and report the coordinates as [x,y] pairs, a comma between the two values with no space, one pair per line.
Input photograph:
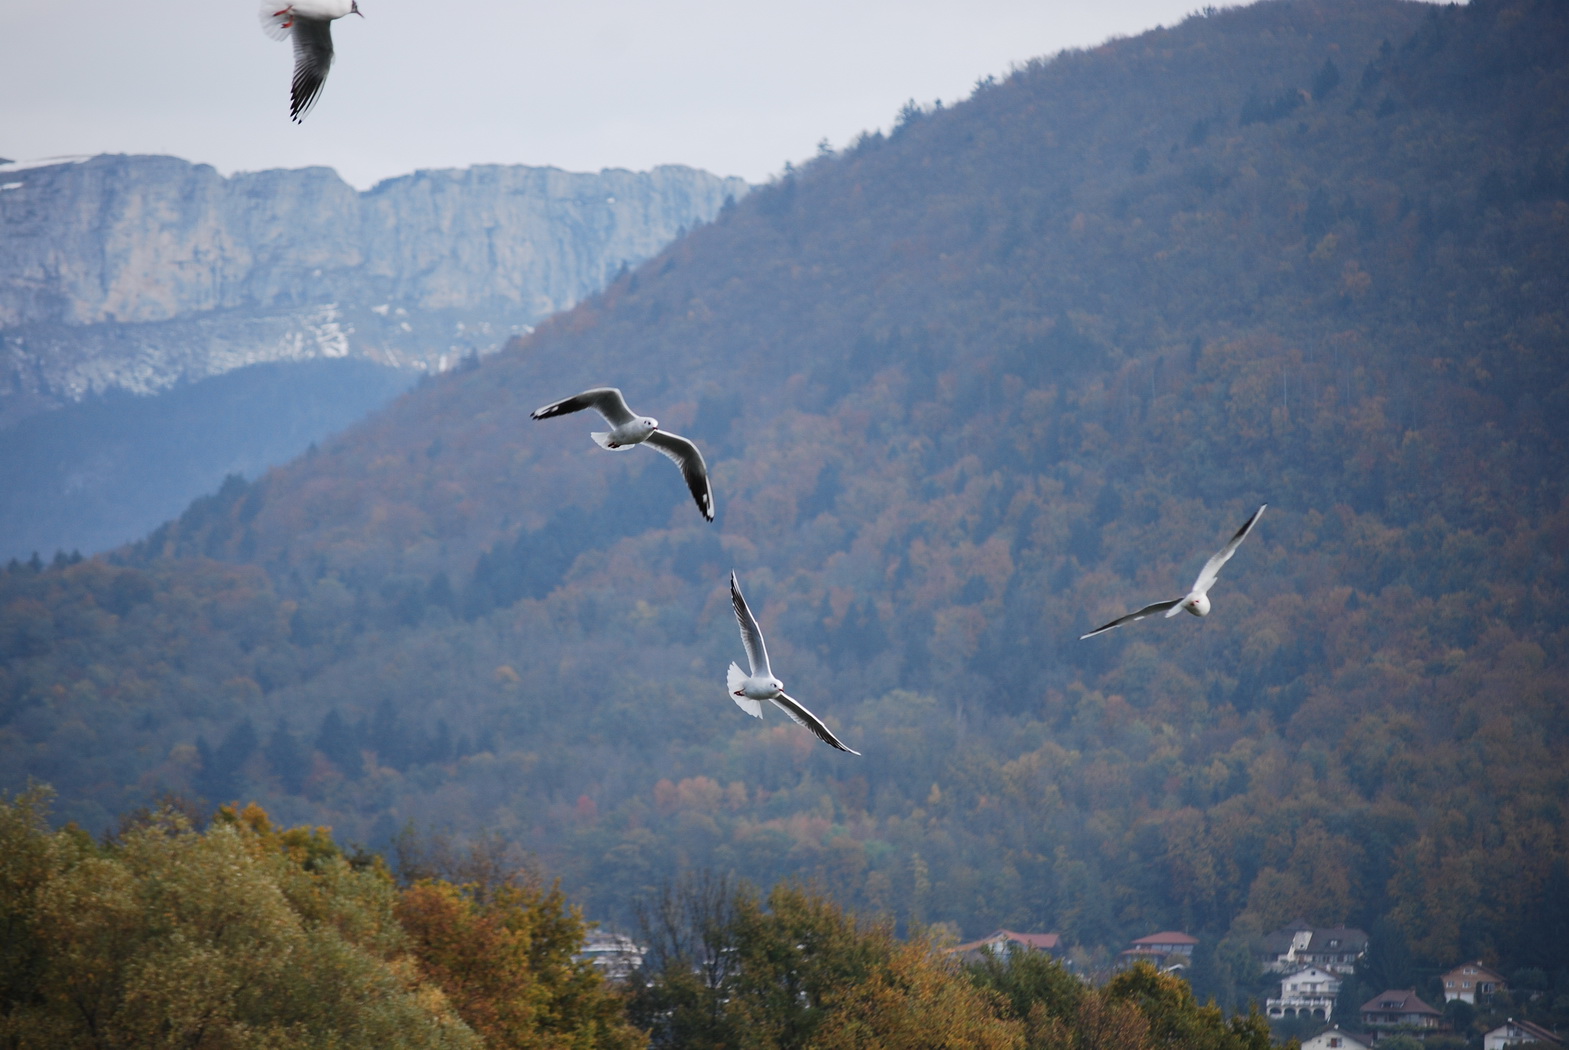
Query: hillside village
[1306,972]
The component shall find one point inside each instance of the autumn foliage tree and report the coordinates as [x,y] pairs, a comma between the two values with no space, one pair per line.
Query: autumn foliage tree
[504,958]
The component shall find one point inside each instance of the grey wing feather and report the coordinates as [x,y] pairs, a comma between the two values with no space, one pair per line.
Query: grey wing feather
[801,716]
[1148,610]
[686,456]
[312,59]
[1211,569]
[606,400]
[751,634]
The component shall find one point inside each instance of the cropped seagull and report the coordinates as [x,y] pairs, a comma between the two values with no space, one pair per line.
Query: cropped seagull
[628,430]
[310,23]
[1197,600]
[749,690]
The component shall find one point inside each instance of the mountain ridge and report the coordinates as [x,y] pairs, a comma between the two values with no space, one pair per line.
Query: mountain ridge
[135,272]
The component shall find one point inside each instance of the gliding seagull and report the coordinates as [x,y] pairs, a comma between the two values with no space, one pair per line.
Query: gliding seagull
[628,430]
[1197,600]
[749,690]
[310,22]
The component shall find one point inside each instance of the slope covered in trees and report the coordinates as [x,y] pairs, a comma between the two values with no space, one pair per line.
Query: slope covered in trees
[250,935]
[967,390]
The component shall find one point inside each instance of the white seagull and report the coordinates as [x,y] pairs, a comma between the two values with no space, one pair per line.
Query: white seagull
[749,690]
[1197,600]
[310,23]
[628,430]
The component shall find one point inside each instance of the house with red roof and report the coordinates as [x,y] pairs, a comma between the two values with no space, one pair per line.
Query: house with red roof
[1168,950]
[1003,942]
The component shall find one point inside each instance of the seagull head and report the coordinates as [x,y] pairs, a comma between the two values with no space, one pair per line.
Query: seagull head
[1198,605]
[650,422]
[776,684]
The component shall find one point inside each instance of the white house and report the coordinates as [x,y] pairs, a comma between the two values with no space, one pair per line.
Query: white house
[1513,1033]
[614,955]
[1306,993]
[1469,981]
[1335,1039]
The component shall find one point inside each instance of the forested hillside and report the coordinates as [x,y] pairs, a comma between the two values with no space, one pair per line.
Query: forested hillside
[967,391]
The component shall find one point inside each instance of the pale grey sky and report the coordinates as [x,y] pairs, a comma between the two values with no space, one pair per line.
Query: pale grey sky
[737,87]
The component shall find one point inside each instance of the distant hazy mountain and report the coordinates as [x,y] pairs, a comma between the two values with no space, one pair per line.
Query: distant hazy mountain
[134,273]
[108,470]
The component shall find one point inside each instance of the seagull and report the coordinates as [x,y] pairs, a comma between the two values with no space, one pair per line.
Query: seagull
[628,430]
[1197,600]
[749,690]
[310,21]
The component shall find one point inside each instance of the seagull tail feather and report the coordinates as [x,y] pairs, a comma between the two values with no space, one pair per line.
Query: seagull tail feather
[735,678]
[276,18]
[602,439]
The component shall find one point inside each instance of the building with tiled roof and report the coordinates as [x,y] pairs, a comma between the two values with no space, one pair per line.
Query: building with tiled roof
[1338,1039]
[1469,981]
[1168,950]
[1513,1033]
[1399,1006]
[1310,992]
[1004,941]
[1334,948]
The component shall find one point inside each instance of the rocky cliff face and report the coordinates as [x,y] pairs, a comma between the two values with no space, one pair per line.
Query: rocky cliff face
[138,272]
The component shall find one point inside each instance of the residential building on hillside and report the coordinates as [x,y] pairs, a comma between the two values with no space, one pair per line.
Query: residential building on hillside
[1003,942]
[1291,947]
[1168,950]
[1307,993]
[1513,1033]
[614,955]
[1398,1007]
[1470,981]
[1337,1039]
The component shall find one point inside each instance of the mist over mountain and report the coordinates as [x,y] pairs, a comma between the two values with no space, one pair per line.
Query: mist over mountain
[966,391]
[98,474]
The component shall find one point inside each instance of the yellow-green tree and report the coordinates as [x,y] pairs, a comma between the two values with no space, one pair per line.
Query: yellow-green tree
[218,939]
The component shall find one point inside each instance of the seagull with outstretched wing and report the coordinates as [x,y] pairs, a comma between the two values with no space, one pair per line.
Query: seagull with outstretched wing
[1197,600]
[309,24]
[627,429]
[750,690]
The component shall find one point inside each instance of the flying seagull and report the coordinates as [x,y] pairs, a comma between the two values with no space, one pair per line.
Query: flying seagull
[628,430]
[310,23]
[1197,600]
[749,690]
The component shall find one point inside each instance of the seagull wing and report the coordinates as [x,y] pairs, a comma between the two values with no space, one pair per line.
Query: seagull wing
[606,400]
[1211,568]
[751,634]
[312,59]
[1148,610]
[690,460]
[801,716]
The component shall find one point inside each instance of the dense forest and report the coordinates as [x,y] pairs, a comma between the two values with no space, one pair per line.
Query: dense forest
[245,934]
[967,390]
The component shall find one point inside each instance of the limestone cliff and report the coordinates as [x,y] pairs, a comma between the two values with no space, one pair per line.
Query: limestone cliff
[137,272]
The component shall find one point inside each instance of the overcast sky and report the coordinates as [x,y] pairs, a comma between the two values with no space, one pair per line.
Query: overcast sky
[737,87]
